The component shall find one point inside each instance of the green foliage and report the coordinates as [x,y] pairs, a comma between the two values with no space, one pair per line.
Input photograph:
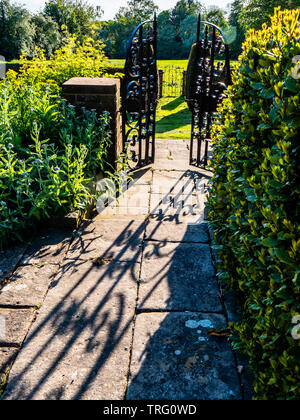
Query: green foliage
[21,32]
[71,60]
[48,157]
[177,27]
[254,202]
[183,9]
[117,32]
[188,29]
[168,40]
[16,30]
[216,16]
[49,154]
[257,12]
[137,11]
[76,15]
[234,21]
[46,34]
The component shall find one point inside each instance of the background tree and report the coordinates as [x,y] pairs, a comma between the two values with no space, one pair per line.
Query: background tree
[76,15]
[216,16]
[116,32]
[256,12]
[235,12]
[137,11]
[16,30]
[179,29]
[182,10]
[188,33]
[46,33]
[169,44]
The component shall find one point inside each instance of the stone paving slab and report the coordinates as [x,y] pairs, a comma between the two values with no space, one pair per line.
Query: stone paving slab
[232,305]
[134,196]
[9,258]
[171,231]
[173,182]
[189,204]
[114,238]
[184,217]
[178,277]
[133,201]
[7,357]
[125,211]
[50,246]
[28,285]
[79,346]
[67,221]
[201,180]
[166,162]
[174,358]
[17,323]
[172,154]
[141,176]
[182,206]
[173,150]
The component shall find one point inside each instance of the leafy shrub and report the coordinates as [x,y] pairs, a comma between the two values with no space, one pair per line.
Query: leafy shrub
[49,155]
[254,202]
[71,60]
[23,107]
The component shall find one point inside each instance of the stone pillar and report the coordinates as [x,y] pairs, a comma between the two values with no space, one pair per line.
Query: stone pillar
[160,78]
[102,95]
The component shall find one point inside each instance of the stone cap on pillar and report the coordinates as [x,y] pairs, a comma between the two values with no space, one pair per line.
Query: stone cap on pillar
[90,85]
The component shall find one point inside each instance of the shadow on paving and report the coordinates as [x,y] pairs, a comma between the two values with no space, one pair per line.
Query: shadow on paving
[80,345]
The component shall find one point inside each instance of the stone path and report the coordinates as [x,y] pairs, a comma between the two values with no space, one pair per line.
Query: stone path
[123,307]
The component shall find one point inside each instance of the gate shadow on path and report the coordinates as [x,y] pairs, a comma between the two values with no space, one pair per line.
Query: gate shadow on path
[173,356]
[90,310]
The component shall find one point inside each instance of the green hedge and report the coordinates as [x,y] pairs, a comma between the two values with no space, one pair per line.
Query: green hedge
[254,206]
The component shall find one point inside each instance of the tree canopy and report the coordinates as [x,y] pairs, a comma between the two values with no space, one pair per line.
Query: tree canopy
[234,21]
[75,15]
[22,31]
[257,12]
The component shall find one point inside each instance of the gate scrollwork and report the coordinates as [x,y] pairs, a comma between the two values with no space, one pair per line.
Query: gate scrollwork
[207,80]
[140,95]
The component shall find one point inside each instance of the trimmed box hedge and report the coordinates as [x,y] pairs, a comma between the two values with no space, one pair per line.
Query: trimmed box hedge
[253,205]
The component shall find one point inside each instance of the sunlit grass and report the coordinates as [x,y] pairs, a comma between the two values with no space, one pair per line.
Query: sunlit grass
[173,119]
[161,63]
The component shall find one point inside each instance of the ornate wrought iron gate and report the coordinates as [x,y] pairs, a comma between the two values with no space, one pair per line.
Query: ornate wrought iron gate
[140,94]
[207,79]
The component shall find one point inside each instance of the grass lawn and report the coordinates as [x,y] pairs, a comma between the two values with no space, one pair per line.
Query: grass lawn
[161,63]
[173,119]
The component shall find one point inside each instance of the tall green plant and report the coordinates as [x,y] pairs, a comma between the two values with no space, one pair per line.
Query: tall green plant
[49,155]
